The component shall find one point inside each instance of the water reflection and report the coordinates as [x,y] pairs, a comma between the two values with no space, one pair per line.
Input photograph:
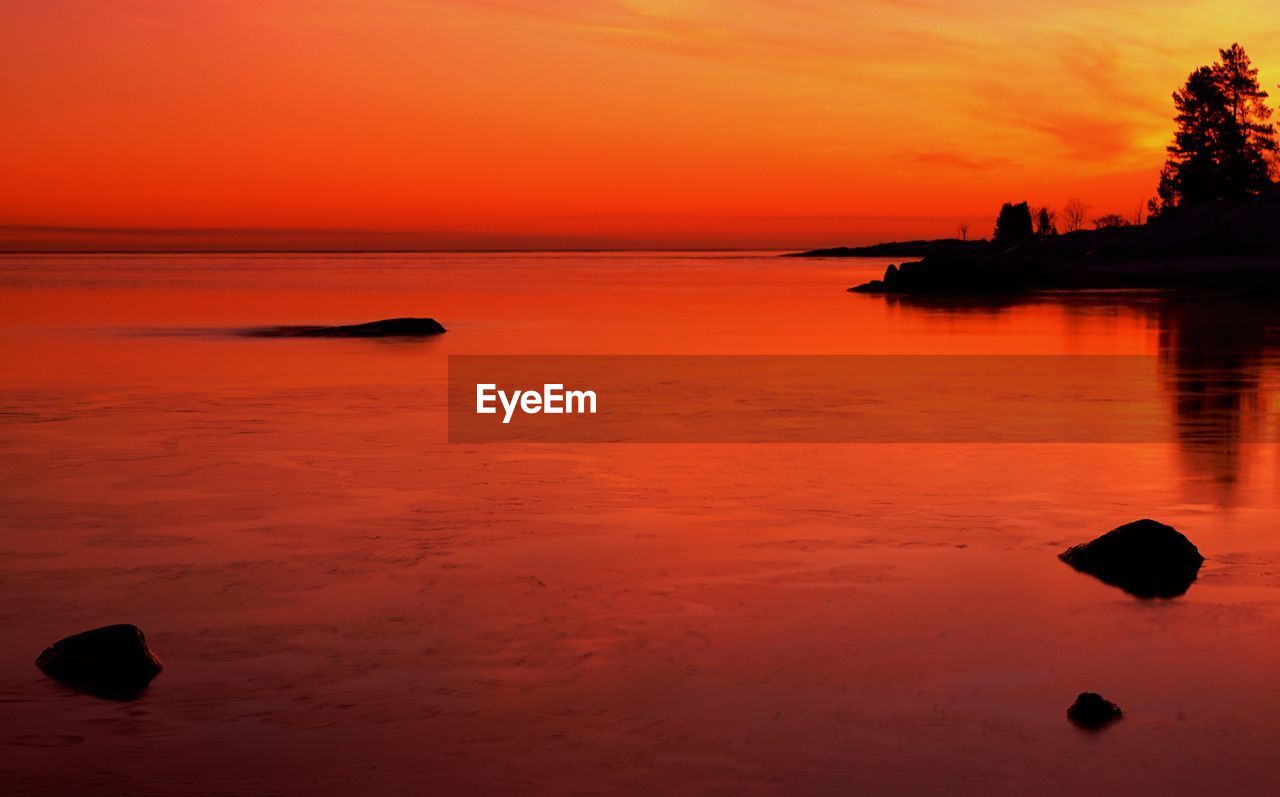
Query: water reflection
[1214,359]
[1216,367]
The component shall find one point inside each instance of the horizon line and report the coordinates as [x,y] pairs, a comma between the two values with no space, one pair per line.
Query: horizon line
[452,251]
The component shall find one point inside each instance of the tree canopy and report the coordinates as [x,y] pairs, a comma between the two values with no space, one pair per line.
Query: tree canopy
[1225,144]
[1013,224]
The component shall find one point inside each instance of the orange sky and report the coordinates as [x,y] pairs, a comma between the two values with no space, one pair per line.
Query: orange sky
[583,123]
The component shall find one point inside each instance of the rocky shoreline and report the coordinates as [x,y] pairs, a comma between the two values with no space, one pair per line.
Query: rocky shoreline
[1227,247]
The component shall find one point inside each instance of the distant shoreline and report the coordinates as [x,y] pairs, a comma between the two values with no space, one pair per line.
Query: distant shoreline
[920,248]
[619,250]
[1216,248]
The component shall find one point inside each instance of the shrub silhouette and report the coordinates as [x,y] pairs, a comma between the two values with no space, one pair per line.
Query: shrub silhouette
[1013,224]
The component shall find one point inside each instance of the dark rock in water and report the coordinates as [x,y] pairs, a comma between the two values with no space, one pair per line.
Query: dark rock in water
[874,286]
[1092,710]
[112,662]
[387,328]
[1144,558]
[955,276]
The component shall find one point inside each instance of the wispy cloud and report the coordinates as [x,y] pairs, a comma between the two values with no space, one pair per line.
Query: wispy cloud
[1064,76]
[479,115]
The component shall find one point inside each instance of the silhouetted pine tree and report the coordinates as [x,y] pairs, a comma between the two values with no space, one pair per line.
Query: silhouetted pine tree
[1224,144]
[1013,224]
[1046,222]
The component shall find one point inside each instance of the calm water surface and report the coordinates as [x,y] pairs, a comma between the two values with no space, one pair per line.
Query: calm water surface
[348,604]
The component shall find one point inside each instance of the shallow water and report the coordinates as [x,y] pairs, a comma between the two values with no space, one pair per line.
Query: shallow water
[346,603]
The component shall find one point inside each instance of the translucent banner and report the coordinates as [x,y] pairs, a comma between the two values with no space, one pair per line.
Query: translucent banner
[839,399]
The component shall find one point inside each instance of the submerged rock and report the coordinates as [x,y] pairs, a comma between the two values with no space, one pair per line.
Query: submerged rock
[386,328]
[1144,558]
[1092,710]
[113,662]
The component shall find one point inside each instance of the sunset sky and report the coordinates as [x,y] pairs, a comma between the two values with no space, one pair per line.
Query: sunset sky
[583,123]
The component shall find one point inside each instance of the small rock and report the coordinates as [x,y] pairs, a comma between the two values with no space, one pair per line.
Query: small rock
[1092,710]
[1144,558]
[386,328]
[112,662]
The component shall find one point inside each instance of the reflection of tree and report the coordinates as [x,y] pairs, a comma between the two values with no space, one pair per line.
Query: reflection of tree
[1212,356]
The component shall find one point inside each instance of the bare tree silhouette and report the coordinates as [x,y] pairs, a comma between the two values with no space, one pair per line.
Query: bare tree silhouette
[1074,214]
[1139,214]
